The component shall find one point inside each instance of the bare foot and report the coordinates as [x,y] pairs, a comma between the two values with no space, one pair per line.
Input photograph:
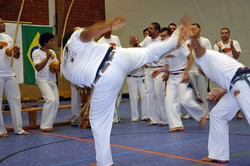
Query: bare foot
[208,159]
[24,133]
[203,121]
[136,120]
[151,124]
[4,135]
[47,129]
[176,129]
[162,124]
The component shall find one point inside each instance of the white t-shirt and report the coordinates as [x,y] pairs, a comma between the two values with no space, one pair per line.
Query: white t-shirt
[44,75]
[81,60]
[5,69]
[113,41]
[177,58]
[218,67]
[226,49]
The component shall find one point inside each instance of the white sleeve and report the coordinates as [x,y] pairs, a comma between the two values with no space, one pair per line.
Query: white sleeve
[36,57]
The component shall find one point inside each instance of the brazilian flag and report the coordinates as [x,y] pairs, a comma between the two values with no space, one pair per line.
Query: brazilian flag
[30,39]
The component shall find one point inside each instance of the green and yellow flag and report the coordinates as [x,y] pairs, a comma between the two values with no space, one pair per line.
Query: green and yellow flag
[30,37]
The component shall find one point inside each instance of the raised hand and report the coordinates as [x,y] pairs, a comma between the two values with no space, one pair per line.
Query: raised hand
[231,43]
[186,20]
[186,32]
[49,54]
[133,41]
[117,23]
[219,45]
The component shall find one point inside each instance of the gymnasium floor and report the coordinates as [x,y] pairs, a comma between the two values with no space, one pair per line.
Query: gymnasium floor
[133,144]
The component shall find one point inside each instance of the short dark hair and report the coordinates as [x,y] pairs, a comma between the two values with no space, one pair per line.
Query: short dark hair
[45,37]
[172,24]
[226,29]
[156,25]
[146,29]
[198,25]
[163,29]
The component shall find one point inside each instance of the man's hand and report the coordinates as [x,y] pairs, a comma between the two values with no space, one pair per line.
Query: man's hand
[165,77]
[117,23]
[16,49]
[50,55]
[219,45]
[231,44]
[185,78]
[216,94]
[133,41]
[156,72]
[186,20]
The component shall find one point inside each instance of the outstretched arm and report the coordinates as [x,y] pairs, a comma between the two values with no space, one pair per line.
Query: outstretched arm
[99,28]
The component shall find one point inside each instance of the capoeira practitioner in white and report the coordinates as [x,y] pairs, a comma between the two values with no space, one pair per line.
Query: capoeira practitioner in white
[154,86]
[9,84]
[136,83]
[97,65]
[178,91]
[234,77]
[200,82]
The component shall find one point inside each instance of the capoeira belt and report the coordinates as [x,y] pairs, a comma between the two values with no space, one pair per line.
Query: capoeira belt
[105,63]
[176,72]
[136,76]
[152,66]
[241,74]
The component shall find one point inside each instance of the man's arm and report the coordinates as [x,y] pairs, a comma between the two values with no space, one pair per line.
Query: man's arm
[199,51]
[42,64]
[236,54]
[97,29]
[189,65]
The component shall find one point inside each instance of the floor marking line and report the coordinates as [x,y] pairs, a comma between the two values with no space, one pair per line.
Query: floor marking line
[131,148]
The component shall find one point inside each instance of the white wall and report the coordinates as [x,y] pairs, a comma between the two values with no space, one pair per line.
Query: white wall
[210,14]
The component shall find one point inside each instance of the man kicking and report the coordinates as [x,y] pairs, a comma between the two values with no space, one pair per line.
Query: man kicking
[103,67]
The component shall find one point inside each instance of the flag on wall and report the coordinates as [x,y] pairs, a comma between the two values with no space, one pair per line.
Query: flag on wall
[30,37]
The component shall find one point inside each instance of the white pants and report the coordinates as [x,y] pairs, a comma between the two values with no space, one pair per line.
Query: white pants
[135,85]
[224,111]
[107,88]
[180,94]
[155,88]
[10,86]
[75,100]
[51,96]
[200,82]
[116,117]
